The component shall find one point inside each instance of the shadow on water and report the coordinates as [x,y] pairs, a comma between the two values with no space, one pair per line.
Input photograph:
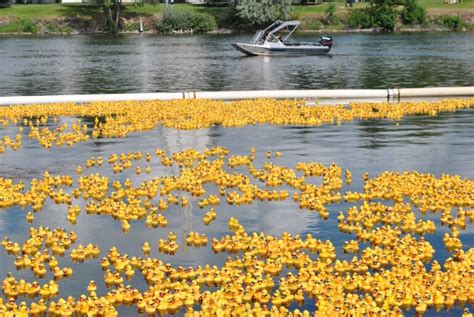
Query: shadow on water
[417,129]
[371,133]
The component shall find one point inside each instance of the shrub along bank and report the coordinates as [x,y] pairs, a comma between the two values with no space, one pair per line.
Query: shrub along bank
[180,21]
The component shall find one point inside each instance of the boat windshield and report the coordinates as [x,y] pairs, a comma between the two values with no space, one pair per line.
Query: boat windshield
[257,37]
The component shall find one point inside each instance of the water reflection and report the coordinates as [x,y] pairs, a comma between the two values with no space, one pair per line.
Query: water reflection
[128,63]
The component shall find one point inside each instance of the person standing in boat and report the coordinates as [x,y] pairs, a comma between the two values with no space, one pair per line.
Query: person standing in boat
[278,37]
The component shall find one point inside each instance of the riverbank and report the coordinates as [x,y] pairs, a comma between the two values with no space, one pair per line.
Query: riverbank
[86,19]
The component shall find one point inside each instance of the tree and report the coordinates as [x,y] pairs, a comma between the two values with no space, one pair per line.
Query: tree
[258,13]
[413,13]
[112,11]
[384,13]
[4,3]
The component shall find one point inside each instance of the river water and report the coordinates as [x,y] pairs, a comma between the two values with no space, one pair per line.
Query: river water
[31,65]
[442,144]
[105,64]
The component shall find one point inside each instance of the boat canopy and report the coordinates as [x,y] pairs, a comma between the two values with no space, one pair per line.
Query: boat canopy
[289,26]
[277,26]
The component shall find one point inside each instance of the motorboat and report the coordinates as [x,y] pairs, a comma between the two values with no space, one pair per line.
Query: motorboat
[274,40]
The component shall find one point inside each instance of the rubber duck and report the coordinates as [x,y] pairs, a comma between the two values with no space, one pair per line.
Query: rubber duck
[466,313]
[30,217]
[125,226]
[92,287]
[171,236]
[146,248]
[129,271]
[209,216]
[18,262]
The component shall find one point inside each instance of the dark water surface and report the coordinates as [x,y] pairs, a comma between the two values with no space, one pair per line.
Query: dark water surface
[441,144]
[39,65]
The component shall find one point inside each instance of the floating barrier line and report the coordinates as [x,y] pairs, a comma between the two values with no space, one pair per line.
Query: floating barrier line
[336,95]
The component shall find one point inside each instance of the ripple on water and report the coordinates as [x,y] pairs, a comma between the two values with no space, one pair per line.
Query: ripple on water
[129,63]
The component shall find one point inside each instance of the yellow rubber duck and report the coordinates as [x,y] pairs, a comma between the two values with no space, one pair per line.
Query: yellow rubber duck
[146,248]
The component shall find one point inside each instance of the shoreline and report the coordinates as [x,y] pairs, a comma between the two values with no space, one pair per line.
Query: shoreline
[90,26]
[229,31]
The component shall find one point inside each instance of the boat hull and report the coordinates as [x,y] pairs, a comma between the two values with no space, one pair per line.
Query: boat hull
[261,50]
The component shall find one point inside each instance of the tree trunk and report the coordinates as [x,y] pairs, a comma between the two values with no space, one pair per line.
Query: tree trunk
[110,18]
[112,14]
[117,14]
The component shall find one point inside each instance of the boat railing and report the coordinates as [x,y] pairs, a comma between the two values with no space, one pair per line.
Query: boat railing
[292,43]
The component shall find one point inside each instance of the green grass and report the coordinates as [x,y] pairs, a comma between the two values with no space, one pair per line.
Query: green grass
[53,27]
[439,4]
[20,26]
[147,9]
[156,9]
[44,11]
[321,8]
[341,7]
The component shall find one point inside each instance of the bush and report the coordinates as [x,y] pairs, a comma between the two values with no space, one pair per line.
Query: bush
[413,14]
[381,14]
[384,16]
[4,3]
[228,18]
[452,22]
[131,26]
[260,13]
[19,26]
[314,25]
[186,21]
[53,27]
[331,13]
[28,26]
[360,19]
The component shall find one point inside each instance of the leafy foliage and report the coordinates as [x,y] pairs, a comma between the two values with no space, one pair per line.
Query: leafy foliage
[331,13]
[187,21]
[4,3]
[452,22]
[112,12]
[384,15]
[258,13]
[379,14]
[360,19]
[20,26]
[54,27]
[412,13]
[131,26]
[376,16]
[314,24]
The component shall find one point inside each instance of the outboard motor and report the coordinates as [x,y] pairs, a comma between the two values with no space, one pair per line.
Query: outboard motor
[326,41]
